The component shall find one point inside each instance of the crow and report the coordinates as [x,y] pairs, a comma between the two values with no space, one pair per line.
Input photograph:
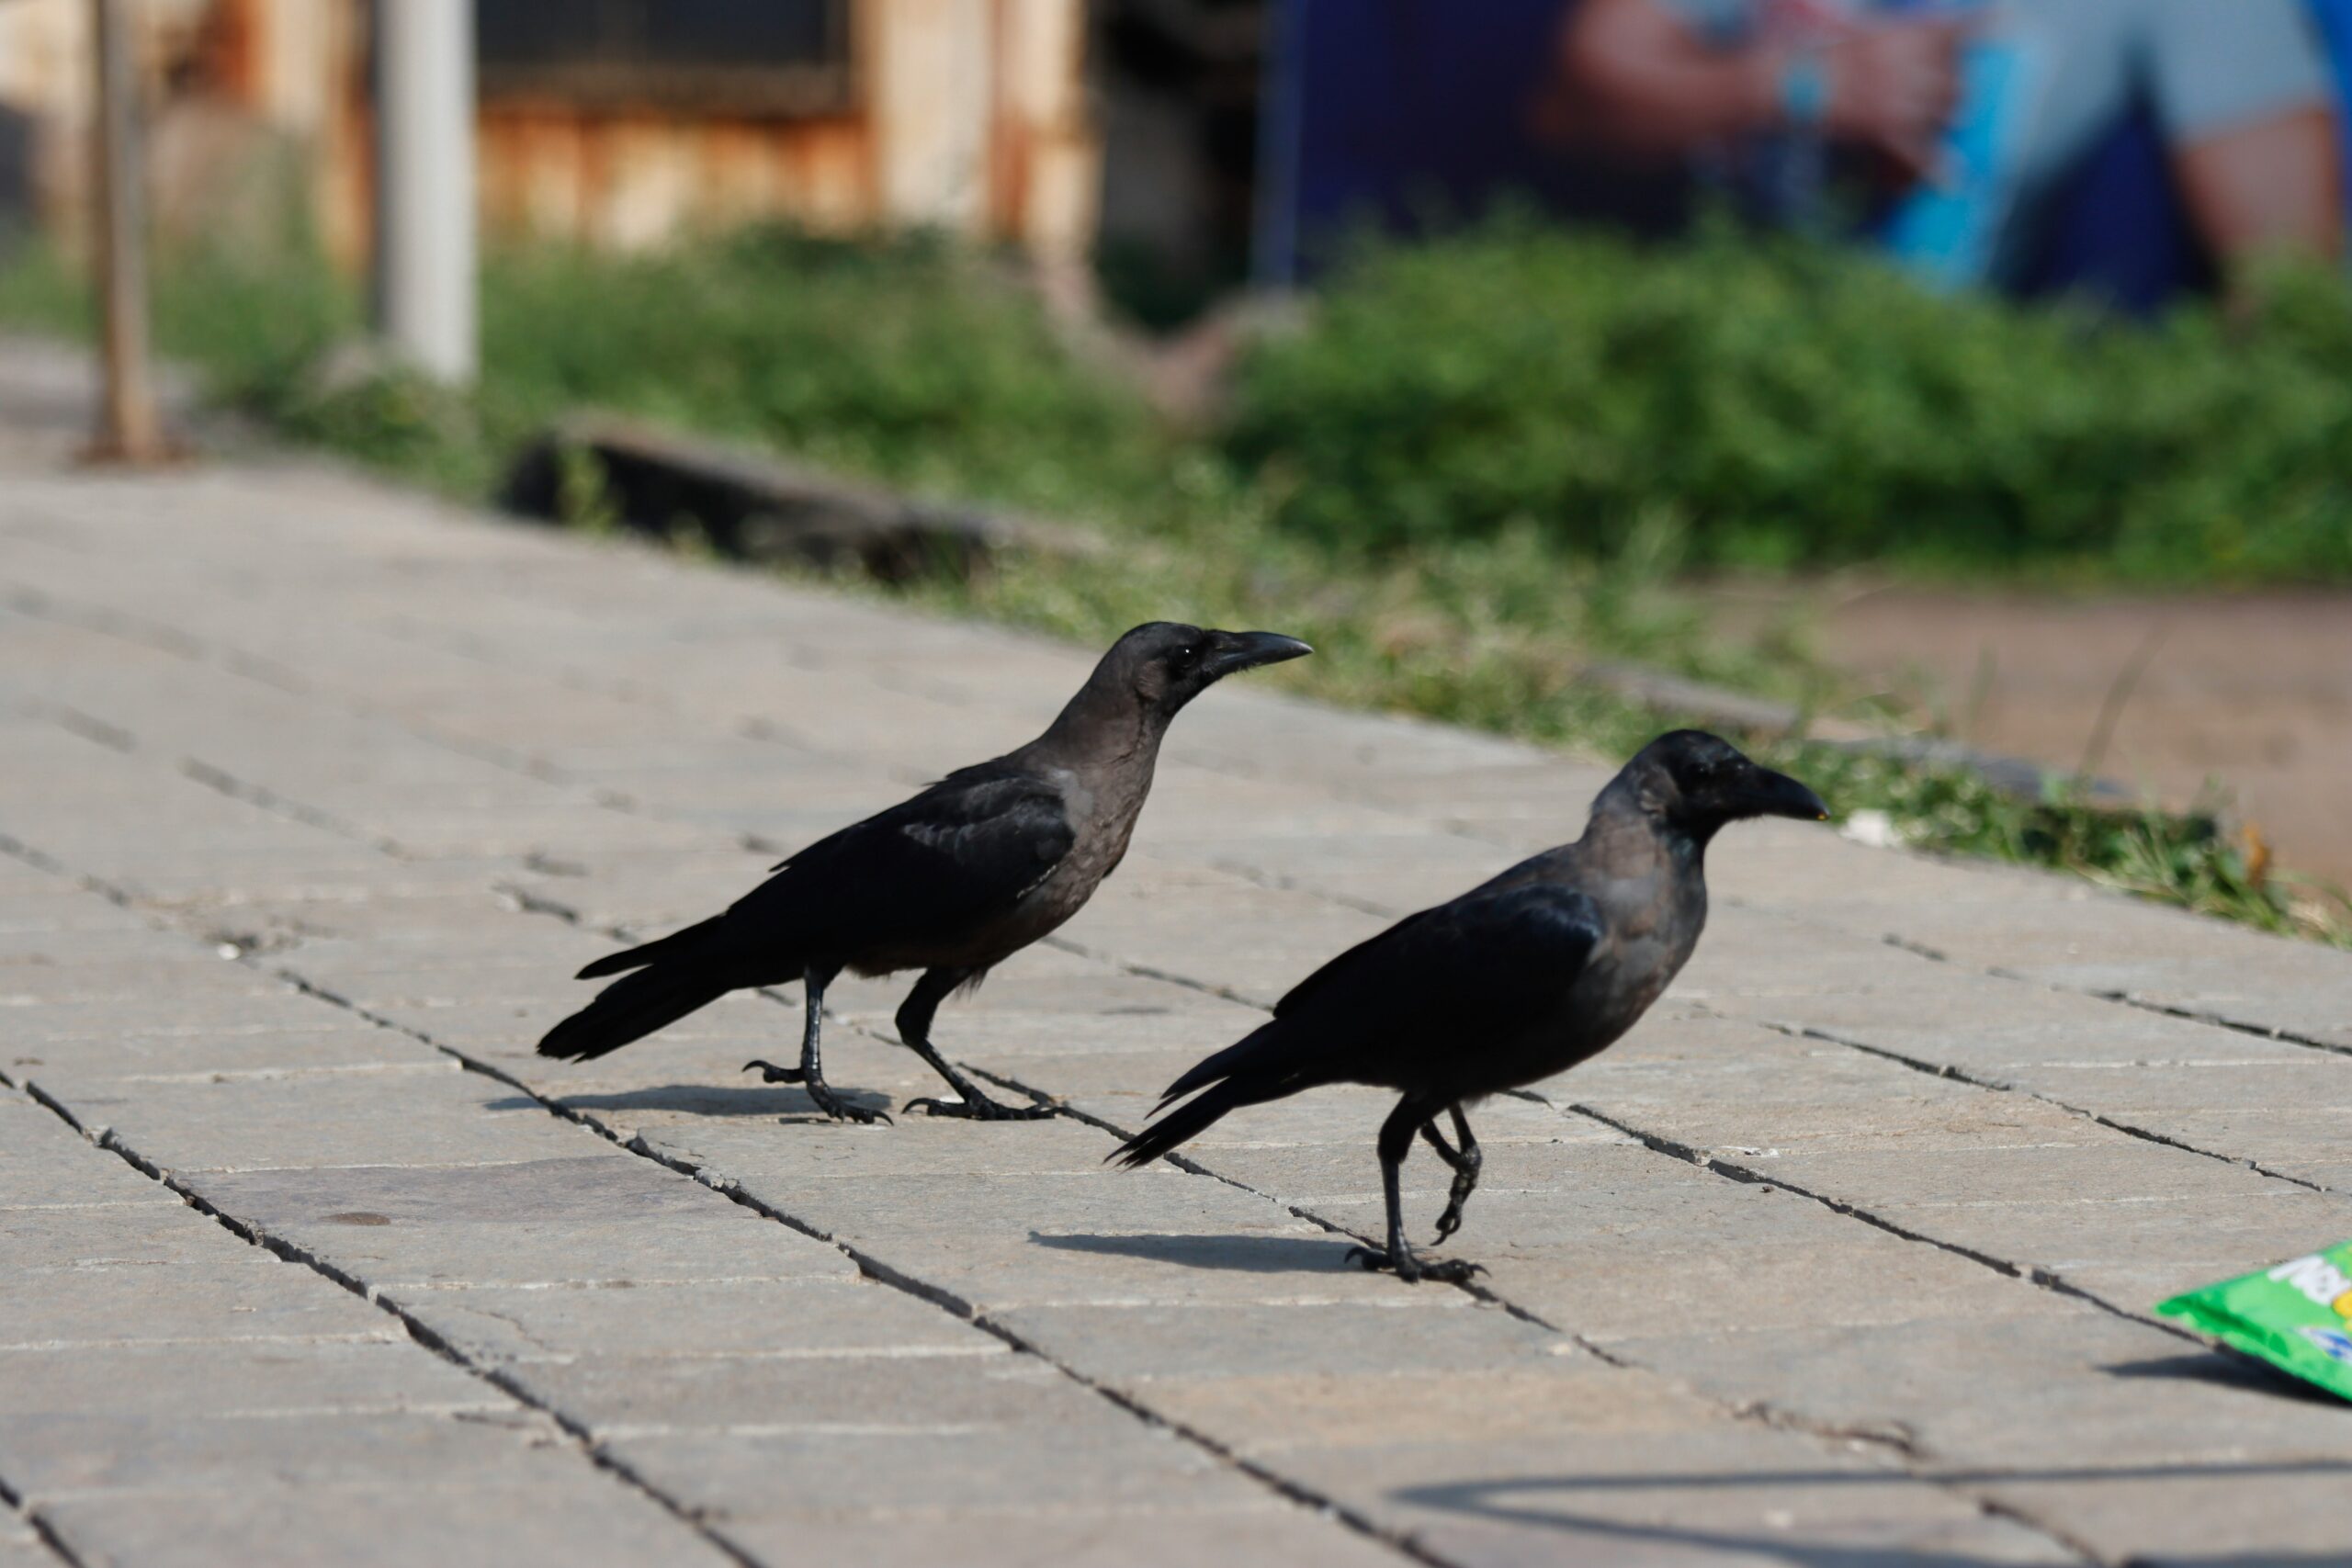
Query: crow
[952,882]
[1517,979]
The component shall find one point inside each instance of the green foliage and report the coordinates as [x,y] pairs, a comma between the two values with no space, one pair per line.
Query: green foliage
[39,290]
[257,328]
[1803,405]
[911,359]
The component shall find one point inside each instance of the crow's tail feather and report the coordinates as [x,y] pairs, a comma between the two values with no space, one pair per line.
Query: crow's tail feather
[630,1009]
[1243,1053]
[677,945]
[1187,1121]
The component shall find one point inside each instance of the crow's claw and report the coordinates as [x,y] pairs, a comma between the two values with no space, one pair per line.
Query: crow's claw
[771,1073]
[841,1109]
[1412,1268]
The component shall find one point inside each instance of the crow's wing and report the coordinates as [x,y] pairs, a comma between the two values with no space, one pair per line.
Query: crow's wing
[1488,963]
[970,847]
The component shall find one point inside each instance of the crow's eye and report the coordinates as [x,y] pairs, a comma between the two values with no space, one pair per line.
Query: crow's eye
[1186,657]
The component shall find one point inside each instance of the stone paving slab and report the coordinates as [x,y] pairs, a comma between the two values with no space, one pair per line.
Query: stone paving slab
[153,1363]
[459,1524]
[319,792]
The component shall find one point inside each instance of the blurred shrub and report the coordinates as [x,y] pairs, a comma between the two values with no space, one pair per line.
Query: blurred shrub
[1801,405]
[913,359]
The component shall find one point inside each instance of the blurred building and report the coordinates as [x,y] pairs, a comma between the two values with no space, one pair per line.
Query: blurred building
[621,122]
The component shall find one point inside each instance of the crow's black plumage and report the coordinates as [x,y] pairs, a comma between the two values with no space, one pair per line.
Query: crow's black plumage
[1519,978]
[959,878]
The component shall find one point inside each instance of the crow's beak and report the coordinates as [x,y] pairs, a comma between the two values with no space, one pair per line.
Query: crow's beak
[1777,794]
[1229,651]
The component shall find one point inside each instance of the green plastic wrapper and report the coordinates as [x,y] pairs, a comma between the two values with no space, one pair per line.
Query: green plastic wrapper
[2298,1315]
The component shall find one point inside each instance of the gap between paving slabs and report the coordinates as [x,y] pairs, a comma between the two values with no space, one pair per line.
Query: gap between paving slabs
[1826,1200]
[2166,1036]
[2207,1015]
[1979,1080]
[25,1546]
[880,1268]
[597,1448]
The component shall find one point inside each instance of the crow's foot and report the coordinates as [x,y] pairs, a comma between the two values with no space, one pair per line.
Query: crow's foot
[818,1089]
[1412,1268]
[841,1109]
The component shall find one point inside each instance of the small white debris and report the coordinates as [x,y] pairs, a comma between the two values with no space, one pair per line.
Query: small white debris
[1875,829]
[230,950]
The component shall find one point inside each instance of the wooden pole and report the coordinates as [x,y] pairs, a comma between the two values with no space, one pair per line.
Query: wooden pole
[128,431]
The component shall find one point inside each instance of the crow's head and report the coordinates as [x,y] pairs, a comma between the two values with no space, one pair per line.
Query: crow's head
[1166,665]
[1696,782]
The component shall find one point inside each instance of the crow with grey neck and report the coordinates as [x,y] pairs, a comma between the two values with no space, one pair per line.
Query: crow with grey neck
[1514,981]
[953,882]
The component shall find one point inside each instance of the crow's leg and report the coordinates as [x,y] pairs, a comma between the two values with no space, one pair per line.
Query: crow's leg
[1396,1142]
[810,1072]
[1466,1163]
[914,1028]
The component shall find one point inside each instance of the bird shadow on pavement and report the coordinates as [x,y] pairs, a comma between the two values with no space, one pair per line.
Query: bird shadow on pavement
[711,1100]
[1235,1254]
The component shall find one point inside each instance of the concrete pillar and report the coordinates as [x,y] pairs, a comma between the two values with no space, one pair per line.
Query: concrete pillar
[425,303]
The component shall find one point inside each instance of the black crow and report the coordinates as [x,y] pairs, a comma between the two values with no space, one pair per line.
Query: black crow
[1519,978]
[952,882]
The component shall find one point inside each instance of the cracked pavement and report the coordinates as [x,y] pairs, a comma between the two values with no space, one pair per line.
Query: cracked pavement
[317,792]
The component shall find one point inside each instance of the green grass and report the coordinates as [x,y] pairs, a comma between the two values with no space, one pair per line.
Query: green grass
[1802,406]
[928,367]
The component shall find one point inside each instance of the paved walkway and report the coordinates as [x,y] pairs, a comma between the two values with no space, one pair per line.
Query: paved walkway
[314,794]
